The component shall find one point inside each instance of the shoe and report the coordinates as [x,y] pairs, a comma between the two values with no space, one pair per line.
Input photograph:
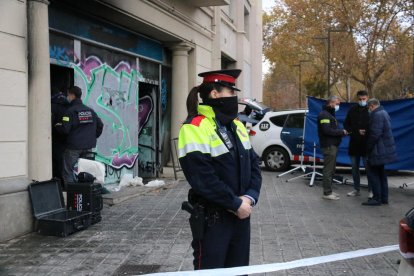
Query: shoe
[370,195]
[335,194]
[330,197]
[371,202]
[384,202]
[353,193]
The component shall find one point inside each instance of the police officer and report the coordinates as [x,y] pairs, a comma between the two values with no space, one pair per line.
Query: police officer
[223,170]
[82,127]
[59,104]
[330,136]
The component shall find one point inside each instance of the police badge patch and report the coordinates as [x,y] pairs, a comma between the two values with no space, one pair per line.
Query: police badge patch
[85,117]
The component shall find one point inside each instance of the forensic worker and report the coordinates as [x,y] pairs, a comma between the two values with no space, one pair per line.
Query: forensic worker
[82,127]
[330,136]
[223,170]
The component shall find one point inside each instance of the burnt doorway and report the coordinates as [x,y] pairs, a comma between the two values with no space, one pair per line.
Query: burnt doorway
[148,140]
[61,78]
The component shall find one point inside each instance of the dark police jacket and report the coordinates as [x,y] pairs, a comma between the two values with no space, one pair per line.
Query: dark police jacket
[381,144]
[81,125]
[357,118]
[59,105]
[328,130]
[213,172]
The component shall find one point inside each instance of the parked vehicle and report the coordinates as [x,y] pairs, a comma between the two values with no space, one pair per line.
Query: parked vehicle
[406,242]
[277,137]
[253,111]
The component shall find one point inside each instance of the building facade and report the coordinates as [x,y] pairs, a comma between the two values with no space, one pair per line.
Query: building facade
[135,62]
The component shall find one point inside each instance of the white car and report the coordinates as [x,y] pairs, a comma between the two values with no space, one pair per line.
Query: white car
[253,111]
[277,138]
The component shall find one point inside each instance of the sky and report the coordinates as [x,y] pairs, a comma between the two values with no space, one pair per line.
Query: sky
[267,5]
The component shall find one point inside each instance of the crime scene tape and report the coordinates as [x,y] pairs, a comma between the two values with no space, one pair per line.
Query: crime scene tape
[283,266]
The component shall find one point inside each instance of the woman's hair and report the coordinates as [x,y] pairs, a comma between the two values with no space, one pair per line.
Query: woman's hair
[192,99]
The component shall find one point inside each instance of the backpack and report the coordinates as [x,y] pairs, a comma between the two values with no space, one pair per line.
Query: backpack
[85,177]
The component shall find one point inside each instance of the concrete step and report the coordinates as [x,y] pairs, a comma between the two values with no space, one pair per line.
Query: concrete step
[168,172]
[130,192]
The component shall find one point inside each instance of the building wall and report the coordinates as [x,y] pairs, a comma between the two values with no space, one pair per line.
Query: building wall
[211,32]
[13,96]
[195,37]
[256,47]
[197,25]
[15,212]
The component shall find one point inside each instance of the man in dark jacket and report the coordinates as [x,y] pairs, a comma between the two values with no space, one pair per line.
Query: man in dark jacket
[59,105]
[82,127]
[356,123]
[330,136]
[380,151]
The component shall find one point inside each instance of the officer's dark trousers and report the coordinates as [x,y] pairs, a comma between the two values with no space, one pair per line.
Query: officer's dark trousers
[225,244]
[329,165]
[70,157]
[57,159]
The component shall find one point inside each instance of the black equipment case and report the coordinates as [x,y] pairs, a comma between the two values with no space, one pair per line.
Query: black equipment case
[52,218]
[86,197]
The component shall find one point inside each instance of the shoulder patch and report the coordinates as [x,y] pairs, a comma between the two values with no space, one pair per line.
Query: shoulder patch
[197,120]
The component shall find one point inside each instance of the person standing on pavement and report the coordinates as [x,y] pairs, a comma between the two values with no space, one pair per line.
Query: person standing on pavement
[356,124]
[59,104]
[223,170]
[82,127]
[330,136]
[380,151]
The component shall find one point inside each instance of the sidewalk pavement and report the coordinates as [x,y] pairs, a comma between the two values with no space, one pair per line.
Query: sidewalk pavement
[149,233]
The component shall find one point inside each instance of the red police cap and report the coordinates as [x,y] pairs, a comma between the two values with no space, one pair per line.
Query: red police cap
[223,77]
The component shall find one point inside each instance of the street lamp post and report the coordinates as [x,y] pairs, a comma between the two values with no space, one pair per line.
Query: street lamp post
[300,86]
[329,57]
[329,63]
[412,26]
[328,38]
[299,65]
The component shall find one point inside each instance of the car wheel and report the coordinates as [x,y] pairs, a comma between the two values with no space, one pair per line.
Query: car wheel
[276,159]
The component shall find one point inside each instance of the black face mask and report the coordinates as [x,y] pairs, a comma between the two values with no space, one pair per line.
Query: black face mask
[226,108]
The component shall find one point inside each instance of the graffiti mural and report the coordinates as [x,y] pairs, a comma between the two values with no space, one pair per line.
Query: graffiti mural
[111,82]
[165,115]
[164,95]
[148,131]
[60,53]
[113,94]
[61,48]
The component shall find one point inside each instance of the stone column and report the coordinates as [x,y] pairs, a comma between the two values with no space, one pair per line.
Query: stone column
[40,145]
[216,51]
[180,89]
[240,41]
